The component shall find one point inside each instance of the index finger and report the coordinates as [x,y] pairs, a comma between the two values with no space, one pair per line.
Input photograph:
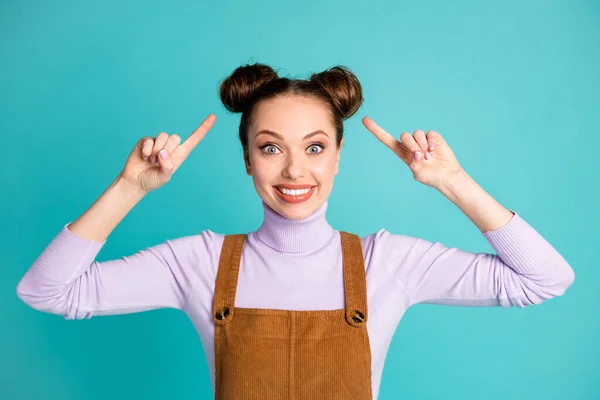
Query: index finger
[197,136]
[384,137]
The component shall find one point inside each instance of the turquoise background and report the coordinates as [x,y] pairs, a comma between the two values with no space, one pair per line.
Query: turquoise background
[512,86]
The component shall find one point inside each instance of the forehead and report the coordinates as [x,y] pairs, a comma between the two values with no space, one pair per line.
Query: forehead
[292,116]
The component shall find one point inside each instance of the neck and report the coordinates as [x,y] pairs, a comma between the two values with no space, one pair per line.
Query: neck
[295,236]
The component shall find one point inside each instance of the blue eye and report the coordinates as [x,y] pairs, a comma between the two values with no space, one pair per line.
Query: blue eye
[267,146]
[315,146]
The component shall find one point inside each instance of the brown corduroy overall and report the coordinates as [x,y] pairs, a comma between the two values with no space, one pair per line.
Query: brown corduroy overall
[272,354]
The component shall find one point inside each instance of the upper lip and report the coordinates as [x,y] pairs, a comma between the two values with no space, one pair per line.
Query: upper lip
[293,187]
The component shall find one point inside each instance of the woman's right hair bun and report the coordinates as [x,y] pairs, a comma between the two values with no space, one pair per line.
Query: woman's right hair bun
[238,89]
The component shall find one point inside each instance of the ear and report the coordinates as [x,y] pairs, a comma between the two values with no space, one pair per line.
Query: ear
[247,162]
[339,152]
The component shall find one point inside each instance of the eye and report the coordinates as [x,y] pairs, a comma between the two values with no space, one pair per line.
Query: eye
[269,149]
[315,146]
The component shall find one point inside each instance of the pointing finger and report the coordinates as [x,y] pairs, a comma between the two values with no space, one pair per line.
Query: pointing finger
[196,137]
[380,133]
[397,146]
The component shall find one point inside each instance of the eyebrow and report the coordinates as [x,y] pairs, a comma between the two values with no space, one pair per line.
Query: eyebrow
[278,136]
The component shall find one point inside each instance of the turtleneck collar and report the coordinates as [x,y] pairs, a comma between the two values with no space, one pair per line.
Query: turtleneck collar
[295,236]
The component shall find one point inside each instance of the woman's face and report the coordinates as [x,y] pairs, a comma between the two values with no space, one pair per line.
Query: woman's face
[292,154]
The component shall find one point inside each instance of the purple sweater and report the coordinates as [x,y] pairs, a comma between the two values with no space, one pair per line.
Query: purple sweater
[296,265]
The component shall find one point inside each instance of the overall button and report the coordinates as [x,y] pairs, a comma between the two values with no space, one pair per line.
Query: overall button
[222,313]
[357,316]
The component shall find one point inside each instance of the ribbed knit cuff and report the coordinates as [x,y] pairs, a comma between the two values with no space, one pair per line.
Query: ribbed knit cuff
[519,245]
[67,256]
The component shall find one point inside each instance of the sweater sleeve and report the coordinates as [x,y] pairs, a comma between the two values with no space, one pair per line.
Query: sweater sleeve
[66,280]
[526,269]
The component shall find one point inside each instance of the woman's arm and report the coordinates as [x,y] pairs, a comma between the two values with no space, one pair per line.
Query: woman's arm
[66,280]
[526,269]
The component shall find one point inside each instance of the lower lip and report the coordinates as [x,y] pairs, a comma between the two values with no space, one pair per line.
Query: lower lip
[295,199]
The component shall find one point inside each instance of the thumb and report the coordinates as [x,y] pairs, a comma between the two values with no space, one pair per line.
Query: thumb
[166,165]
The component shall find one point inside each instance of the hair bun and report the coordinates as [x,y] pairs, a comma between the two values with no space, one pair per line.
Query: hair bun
[238,89]
[343,87]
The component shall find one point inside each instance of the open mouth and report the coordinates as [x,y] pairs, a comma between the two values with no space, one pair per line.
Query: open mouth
[294,195]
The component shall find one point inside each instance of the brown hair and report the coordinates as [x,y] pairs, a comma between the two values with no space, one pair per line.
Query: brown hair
[338,87]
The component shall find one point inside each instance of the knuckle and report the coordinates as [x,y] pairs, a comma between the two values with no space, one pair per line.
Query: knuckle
[174,140]
[161,137]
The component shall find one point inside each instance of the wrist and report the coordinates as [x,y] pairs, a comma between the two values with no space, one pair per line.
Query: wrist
[129,189]
[456,184]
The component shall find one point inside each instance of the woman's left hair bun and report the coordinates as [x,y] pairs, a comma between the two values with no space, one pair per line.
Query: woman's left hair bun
[343,87]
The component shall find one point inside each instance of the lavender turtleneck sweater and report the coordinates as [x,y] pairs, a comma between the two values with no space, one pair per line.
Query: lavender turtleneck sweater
[296,265]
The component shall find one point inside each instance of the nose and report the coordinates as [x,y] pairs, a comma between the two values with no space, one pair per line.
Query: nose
[294,167]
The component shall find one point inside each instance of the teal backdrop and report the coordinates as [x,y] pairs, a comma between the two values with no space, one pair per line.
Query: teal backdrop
[513,87]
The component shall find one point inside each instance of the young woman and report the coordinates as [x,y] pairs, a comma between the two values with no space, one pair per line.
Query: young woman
[295,309]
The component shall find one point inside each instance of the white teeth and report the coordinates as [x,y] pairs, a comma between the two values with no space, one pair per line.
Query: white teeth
[297,192]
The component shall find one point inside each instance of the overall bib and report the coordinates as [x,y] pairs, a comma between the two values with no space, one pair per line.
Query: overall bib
[272,354]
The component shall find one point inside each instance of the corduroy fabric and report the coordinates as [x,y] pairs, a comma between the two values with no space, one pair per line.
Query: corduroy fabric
[272,354]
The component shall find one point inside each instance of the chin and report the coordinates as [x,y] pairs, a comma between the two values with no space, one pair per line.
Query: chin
[294,211]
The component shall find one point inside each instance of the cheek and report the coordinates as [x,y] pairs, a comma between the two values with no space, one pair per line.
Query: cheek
[263,171]
[259,162]
[324,169]
[328,162]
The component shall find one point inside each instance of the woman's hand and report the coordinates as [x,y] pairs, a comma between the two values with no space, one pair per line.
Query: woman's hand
[148,170]
[429,157]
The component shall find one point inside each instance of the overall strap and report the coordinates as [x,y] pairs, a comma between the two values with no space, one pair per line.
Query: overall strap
[227,278]
[355,281]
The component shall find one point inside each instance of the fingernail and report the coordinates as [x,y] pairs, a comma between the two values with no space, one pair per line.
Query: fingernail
[417,155]
[153,159]
[431,147]
[427,156]
[163,154]
[145,158]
